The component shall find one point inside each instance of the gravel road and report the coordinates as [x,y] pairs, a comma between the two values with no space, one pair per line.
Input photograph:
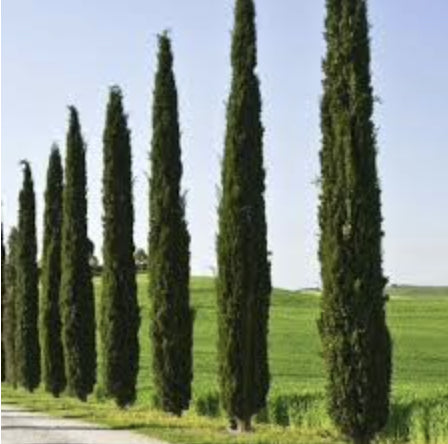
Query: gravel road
[20,426]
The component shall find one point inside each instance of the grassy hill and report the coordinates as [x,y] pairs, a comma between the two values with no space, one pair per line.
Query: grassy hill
[417,291]
[418,318]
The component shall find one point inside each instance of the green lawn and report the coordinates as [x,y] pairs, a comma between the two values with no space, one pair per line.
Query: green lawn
[418,318]
[419,324]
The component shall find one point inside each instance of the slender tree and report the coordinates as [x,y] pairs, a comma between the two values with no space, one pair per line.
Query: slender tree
[244,284]
[27,354]
[77,299]
[141,259]
[52,357]
[169,240]
[3,302]
[9,328]
[356,342]
[120,318]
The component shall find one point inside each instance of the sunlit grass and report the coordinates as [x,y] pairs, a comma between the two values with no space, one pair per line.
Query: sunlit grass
[418,319]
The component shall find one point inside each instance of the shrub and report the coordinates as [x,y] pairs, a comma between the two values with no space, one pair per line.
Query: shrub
[397,428]
[429,421]
[207,404]
[278,410]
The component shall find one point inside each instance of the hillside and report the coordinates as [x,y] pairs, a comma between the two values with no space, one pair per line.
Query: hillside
[418,319]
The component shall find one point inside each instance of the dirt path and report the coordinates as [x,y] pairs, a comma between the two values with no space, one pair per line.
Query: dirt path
[25,427]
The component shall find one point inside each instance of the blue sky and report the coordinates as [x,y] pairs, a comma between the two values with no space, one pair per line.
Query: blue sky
[56,53]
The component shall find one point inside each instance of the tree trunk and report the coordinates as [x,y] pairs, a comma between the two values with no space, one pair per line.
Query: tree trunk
[244,425]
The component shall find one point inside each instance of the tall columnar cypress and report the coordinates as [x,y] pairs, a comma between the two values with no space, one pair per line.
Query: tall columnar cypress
[9,328]
[77,299]
[3,302]
[356,341]
[27,352]
[119,319]
[244,284]
[169,241]
[52,357]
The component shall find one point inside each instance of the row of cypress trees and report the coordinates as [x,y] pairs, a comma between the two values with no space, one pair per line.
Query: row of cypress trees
[38,326]
[356,342]
[51,337]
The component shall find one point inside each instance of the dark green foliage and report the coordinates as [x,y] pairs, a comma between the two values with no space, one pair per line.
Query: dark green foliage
[77,302]
[356,342]
[9,329]
[94,263]
[3,302]
[53,375]
[141,260]
[244,284]
[120,319]
[169,241]
[206,403]
[27,354]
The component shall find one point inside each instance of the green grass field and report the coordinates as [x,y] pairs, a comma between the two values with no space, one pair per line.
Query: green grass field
[418,318]
[419,324]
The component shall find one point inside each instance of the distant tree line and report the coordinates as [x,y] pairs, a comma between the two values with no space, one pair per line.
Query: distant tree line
[49,335]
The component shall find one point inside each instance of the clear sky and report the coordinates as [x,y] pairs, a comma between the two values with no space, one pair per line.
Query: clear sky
[56,53]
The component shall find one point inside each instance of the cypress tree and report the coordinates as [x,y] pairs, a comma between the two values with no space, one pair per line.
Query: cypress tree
[9,328]
[244,284]
[77,298]
[27,352]
[355,338]
[53,375]
[3,302]
[120,317]
[169,240]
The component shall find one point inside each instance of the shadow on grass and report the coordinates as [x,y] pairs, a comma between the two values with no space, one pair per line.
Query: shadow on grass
[148,426]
